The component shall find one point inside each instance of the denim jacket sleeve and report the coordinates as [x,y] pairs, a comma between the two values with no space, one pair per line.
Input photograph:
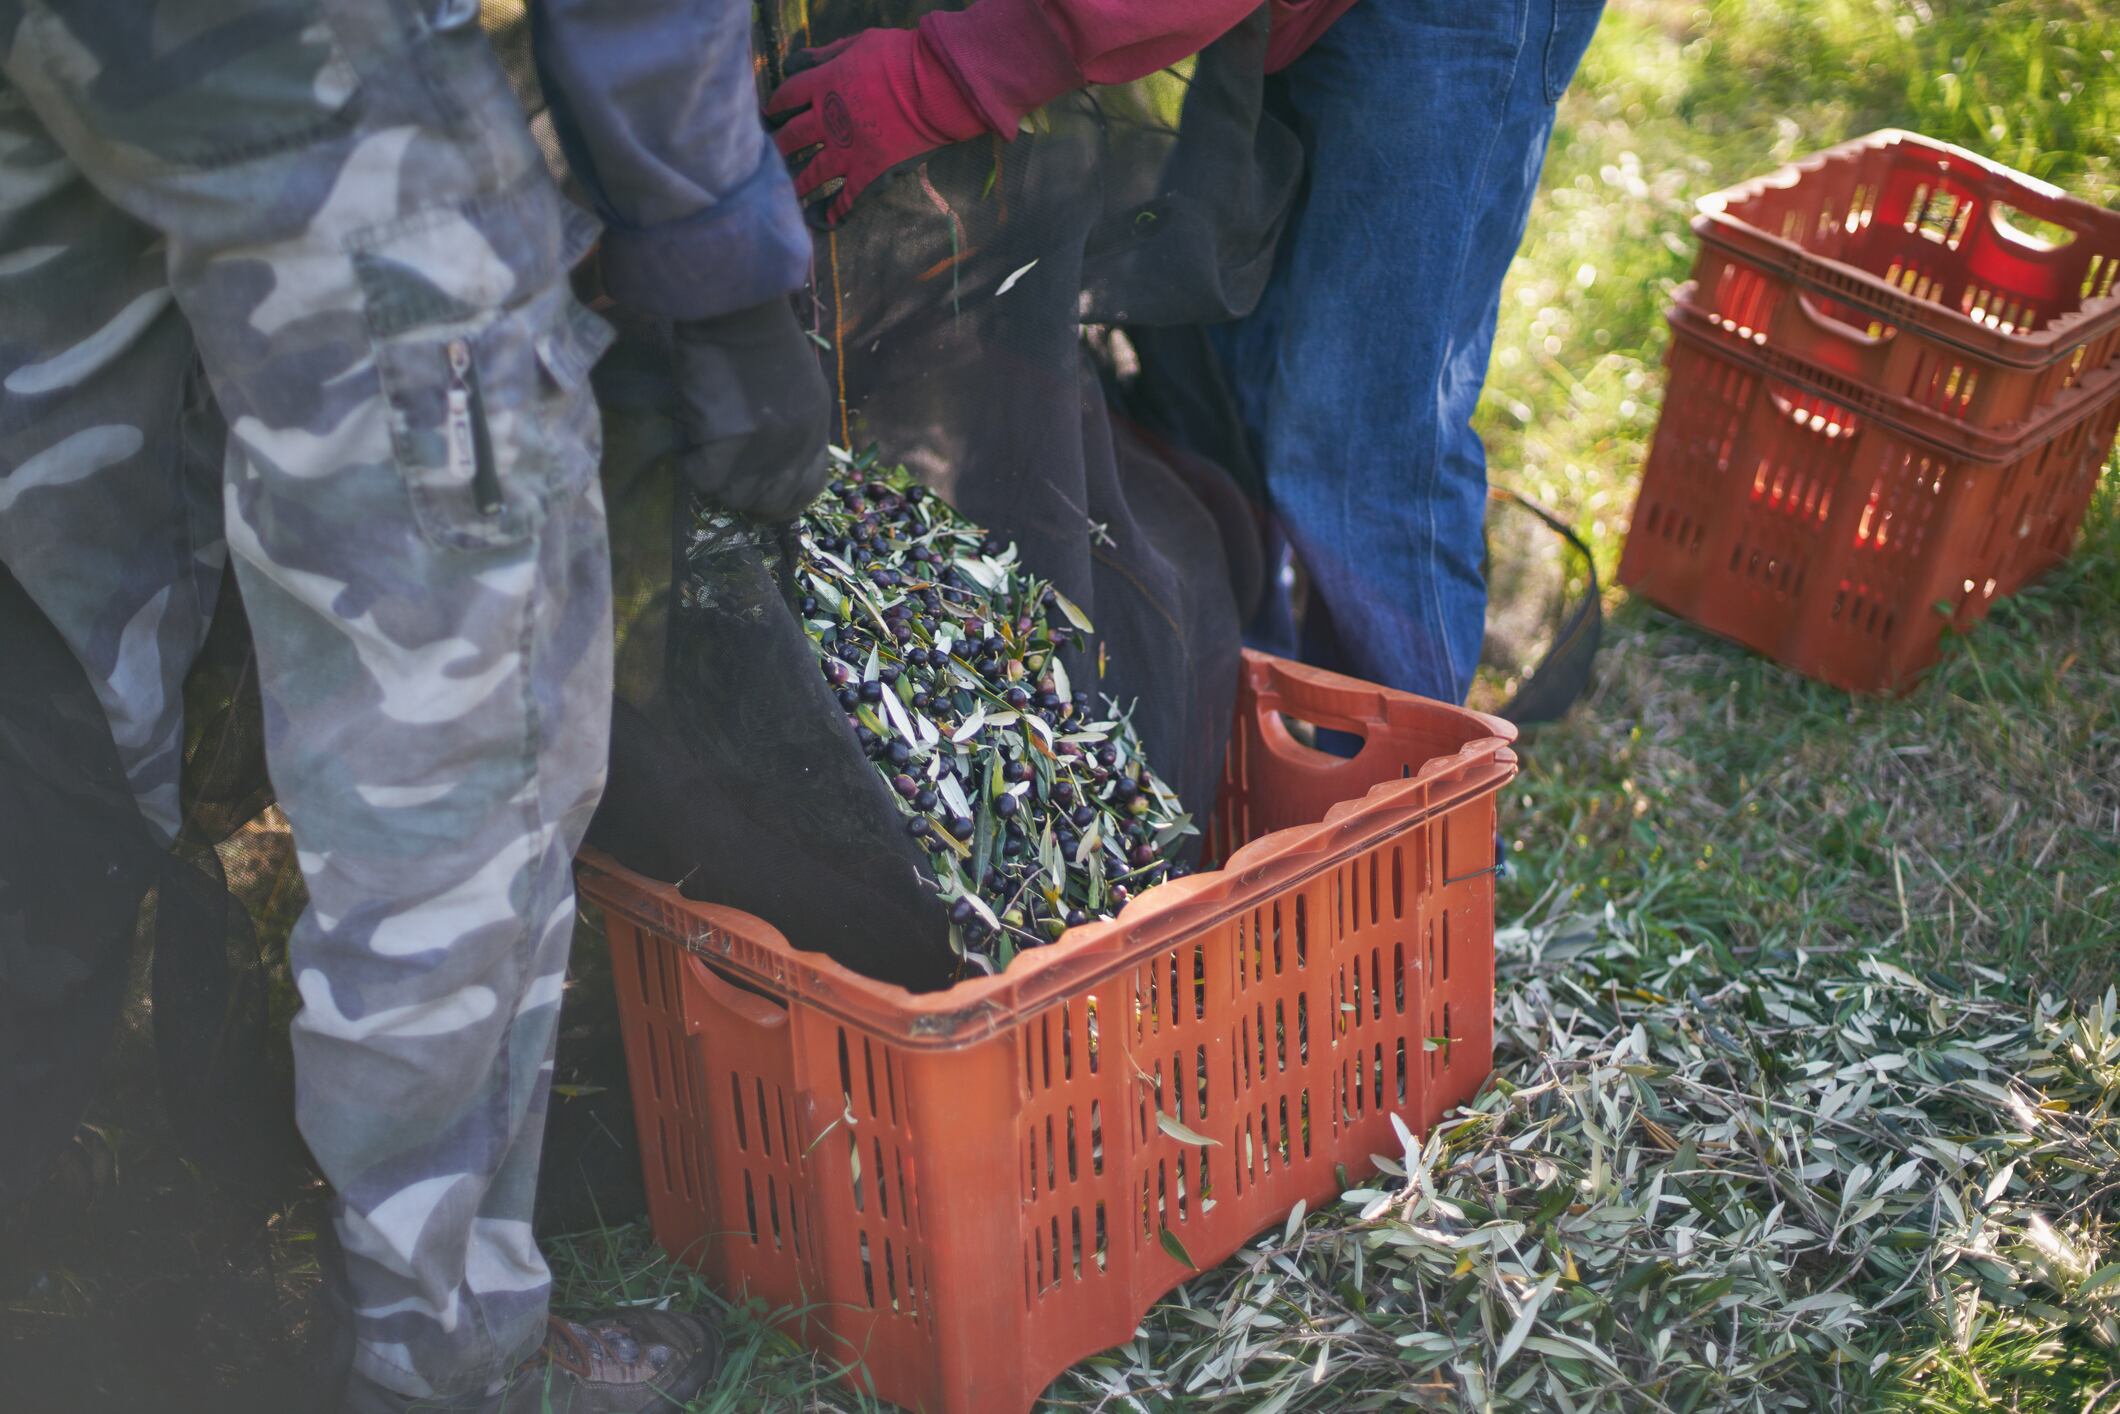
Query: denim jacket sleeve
[656,107]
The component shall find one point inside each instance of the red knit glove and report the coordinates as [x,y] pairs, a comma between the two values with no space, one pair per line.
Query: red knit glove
[864,105]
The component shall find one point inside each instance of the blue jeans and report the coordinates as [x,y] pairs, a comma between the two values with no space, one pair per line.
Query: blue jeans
[1425,124]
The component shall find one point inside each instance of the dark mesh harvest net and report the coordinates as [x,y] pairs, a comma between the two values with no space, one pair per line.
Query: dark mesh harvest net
[965,313]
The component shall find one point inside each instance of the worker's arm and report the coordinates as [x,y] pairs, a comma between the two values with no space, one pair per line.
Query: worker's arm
[655,104]
[886,96]
[657,109]
[1013,56]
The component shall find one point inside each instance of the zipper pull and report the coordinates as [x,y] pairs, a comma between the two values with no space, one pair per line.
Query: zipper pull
[470,444]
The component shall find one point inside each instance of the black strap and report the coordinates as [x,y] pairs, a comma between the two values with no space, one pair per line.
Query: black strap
[1563,674]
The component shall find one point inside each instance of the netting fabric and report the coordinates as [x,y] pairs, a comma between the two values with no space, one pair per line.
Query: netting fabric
[964,313]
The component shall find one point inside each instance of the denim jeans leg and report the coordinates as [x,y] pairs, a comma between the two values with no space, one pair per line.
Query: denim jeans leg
[1425,125]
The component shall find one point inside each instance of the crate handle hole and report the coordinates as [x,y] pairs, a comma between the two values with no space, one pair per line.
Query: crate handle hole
[1847,322]
[1323,742]
[2020,225]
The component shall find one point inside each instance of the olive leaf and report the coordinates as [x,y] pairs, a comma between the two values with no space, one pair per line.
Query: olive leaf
[1177,1131]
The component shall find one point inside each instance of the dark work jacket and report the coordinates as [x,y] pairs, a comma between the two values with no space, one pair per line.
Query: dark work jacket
[657,111]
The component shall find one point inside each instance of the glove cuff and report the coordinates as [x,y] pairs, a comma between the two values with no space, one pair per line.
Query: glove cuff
[1006,57]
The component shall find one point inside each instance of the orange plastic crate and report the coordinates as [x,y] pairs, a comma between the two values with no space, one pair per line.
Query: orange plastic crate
[1902,263]
[965,1192]
[1823,523]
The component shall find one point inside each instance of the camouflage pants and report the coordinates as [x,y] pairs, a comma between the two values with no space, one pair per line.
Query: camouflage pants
[334,207]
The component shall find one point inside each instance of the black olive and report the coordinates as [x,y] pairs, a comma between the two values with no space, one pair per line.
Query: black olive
[1064,792]
[1007,806]
[1076,918]
[872,691]
[1083,815]
[917,826]
[905,786]
[925,800]
[1016,772]
[1017,698]
[899,753]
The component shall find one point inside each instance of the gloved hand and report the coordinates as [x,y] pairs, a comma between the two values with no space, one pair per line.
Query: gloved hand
[866,104]
[756,410]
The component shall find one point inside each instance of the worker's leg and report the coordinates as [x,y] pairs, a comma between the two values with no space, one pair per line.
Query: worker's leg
[371,254]
[1425,122]
[108,519]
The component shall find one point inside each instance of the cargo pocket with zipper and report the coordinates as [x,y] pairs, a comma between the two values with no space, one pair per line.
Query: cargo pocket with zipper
[492,420]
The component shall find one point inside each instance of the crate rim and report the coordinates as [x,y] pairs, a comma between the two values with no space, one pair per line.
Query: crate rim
[1690,324]
[1960,331]
[978,1009]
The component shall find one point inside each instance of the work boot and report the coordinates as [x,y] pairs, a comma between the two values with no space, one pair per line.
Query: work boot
[624,1362]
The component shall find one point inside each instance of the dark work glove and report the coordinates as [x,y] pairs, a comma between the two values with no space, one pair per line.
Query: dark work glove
[756,410]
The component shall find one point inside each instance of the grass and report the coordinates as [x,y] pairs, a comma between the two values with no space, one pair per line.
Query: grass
[1702,804]
[1977,819]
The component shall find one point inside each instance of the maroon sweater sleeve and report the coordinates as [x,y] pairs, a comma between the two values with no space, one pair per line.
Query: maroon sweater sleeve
[1296,26]
[1012,56]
